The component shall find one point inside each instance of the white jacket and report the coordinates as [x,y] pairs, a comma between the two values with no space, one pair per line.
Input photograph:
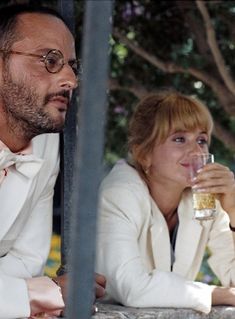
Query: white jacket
[134,247]
[26,226]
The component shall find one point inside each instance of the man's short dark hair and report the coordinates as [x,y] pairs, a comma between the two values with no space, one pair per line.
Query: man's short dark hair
[9,17]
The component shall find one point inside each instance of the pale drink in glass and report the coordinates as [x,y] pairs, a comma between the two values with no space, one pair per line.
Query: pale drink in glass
[203,203]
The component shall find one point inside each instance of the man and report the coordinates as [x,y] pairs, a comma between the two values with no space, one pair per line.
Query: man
[38,71]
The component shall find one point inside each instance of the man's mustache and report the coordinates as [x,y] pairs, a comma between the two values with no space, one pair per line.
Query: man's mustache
[63,93]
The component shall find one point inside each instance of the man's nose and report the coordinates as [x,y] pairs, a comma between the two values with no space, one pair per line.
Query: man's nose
[67,78]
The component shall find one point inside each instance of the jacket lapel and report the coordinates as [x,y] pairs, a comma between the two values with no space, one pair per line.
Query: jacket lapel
[188,237]
[160,240]
[14,191]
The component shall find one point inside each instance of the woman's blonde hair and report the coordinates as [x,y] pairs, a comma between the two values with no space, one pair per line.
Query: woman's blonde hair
[159,114]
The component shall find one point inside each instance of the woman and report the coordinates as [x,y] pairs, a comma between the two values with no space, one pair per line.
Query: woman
[150,248]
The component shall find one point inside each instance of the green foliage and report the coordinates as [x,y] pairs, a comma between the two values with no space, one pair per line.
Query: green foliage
[205,274]
[222,154]
[173,32]
[117,126]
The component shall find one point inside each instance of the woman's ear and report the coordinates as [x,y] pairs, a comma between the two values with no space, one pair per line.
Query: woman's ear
[143,159]
[146,163]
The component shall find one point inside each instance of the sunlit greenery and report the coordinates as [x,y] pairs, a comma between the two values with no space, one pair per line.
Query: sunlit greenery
[53,261]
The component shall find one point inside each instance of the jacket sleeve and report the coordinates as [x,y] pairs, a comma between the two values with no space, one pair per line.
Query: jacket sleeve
[14,298]
[29,253]
[122,213]
[222,248]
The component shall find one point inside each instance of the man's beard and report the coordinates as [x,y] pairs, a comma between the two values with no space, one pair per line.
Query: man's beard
[25,110]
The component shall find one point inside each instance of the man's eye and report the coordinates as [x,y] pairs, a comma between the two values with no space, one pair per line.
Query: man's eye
[51,61]
[76,67]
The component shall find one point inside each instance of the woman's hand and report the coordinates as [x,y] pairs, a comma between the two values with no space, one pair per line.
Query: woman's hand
[223,296]
[219,180]
[99,286]
[100,283]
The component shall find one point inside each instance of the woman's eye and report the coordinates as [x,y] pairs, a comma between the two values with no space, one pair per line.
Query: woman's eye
[202,141]
[179,139]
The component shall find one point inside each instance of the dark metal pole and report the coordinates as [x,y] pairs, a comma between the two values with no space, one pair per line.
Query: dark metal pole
[67,150]
[66,8]
[88,158]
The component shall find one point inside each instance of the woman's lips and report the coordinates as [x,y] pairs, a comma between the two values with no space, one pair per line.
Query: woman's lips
[186,165]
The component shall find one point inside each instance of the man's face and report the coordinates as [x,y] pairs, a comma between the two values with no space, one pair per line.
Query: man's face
[34,100]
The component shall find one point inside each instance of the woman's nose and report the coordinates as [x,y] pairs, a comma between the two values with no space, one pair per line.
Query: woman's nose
[195,148]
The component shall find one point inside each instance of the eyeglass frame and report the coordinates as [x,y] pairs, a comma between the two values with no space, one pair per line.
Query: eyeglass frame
[43,57]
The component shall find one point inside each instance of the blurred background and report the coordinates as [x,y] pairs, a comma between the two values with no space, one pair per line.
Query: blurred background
[188,45]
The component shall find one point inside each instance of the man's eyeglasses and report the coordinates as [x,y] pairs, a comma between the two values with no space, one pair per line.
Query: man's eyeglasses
[53,60]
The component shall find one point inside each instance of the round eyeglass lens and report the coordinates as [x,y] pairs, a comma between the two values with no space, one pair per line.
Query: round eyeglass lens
[54,61]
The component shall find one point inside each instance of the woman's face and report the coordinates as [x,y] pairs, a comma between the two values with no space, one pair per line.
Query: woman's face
[169,161]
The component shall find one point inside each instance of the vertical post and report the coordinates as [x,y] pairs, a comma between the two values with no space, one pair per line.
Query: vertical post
[66,9]
[67,150]
[88,158]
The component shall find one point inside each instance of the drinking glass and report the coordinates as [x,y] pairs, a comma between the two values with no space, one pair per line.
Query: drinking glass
[203,203]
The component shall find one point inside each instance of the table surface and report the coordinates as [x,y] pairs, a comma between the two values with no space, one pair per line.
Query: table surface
[114,311]
[111,311]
